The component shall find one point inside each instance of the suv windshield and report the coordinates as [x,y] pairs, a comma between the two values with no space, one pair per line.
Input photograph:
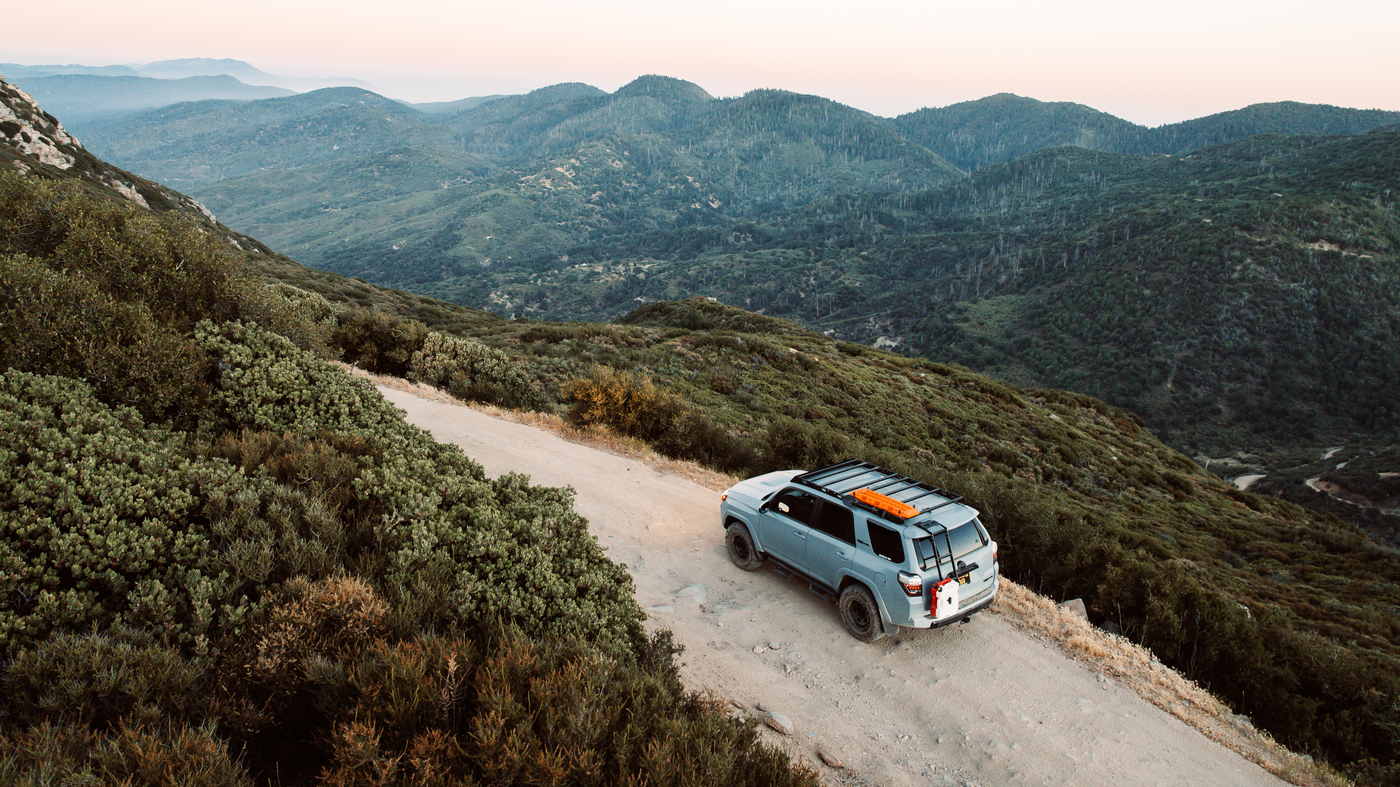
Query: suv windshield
[965,538]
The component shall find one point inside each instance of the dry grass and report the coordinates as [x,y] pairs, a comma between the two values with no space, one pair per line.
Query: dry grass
[1131,666]
[1136,669]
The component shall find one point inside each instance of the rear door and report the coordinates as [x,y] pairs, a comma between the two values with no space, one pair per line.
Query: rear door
[831,542]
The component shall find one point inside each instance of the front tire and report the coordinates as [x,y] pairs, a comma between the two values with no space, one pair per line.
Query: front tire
[861,614]
[739,544]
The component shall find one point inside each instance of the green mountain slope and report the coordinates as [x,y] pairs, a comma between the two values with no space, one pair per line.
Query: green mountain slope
[280,133]
[1005,127]
[1283,117]
[1244,297]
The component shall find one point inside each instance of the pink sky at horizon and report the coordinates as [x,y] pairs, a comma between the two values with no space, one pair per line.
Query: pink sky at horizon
[1151,63]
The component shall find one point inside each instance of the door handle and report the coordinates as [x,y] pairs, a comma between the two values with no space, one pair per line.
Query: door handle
[800,534]
[844,555]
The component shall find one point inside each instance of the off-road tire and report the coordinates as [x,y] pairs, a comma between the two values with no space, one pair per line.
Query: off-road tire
[861,614]
[742,552]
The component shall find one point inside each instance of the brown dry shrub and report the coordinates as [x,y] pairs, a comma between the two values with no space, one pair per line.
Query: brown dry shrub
[332,618]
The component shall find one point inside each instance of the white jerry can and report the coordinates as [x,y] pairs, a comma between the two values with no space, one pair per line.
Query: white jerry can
[945,599]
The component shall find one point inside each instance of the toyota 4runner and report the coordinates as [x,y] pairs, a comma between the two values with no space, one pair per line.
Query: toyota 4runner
[894,551]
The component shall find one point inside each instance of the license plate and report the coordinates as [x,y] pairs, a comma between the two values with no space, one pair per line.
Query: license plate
[964,579]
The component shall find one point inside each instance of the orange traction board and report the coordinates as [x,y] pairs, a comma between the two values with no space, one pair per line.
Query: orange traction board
[885,503]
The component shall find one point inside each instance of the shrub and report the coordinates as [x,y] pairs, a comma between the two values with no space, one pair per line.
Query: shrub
[62,322]
[102,520]
[627,402]
[473,372]
[103,680]
[632,405]
[377,341]
[307,319]
[105,521]
[263,381]
[537,713]
[71,754]
[180,272]
[451,549]
[792,444]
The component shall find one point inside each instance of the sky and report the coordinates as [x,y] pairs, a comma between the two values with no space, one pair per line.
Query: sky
[1147,61]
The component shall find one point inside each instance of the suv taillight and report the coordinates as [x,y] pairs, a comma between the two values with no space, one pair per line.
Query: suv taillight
[913,584]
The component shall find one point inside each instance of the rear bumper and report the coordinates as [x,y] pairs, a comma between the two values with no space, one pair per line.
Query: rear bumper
[926,621]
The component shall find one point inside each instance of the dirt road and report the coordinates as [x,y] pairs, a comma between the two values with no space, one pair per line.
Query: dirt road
[977,704]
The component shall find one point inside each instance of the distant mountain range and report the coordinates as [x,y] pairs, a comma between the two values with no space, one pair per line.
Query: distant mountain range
[81,94]
[183,68]
[1211,289]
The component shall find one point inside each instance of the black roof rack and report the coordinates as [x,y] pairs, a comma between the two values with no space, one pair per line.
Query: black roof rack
[842,479]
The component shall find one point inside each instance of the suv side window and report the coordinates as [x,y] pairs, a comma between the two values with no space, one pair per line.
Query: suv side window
[837,522]
[795,504]
[886,543]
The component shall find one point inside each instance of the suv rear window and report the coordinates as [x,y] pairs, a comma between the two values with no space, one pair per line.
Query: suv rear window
[886,543]
[965,538]
[837,522]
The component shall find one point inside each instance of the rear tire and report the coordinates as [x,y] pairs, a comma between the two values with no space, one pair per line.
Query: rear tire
[742,552]
[861,614]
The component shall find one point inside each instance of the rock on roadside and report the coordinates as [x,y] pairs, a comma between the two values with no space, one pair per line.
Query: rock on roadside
[779,722]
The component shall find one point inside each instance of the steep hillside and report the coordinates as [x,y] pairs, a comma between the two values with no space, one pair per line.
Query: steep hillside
[1268,604]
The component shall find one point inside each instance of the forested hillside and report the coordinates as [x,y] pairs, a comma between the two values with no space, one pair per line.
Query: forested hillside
[1215,293]
[1242,298]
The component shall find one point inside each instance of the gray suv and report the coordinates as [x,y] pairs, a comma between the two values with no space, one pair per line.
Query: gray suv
[894,551]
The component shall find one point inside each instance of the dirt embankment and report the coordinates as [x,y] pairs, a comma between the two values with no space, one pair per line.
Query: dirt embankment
[978,704]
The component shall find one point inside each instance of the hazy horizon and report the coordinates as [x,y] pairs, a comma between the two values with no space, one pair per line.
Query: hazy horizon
[1151,63]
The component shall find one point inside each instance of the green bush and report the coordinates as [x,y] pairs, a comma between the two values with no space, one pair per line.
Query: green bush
[794,445]
[69,754]
[180,272]
[306,318]
[453,549]
[103,680]
[473,372]
[378,341]
[63,322]
[103,520]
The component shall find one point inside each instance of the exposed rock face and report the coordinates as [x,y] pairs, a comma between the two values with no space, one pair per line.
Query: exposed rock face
[33,132]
